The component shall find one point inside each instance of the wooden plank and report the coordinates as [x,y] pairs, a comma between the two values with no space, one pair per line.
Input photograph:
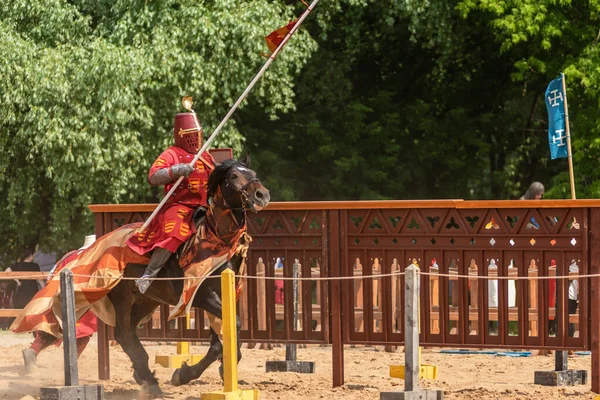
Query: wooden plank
[546,203]
[24,276]
[112,208]
[10,312]
[381,204]
[513,314]
[335,301]
[262,295]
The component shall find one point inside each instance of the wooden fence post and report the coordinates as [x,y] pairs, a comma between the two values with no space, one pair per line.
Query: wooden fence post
[594,302]
[67,302]
[411,329]
[291,364]
[72,389]
[412,391]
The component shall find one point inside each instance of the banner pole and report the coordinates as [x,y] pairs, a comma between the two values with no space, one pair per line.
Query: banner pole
[569,154]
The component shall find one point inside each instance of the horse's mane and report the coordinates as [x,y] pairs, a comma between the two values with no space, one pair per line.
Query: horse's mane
[219,173]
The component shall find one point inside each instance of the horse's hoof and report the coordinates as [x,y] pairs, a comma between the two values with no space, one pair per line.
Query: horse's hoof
[137,378]
[155,391]
[151,391]
[176,378]
[181,376]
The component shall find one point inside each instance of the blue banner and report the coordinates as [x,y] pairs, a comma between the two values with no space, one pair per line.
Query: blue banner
[557,131]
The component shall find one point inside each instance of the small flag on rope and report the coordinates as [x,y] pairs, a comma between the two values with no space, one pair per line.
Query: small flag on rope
[557,129]
[275,38]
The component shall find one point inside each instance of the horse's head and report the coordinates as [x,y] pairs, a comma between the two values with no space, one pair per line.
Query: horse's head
[238,186]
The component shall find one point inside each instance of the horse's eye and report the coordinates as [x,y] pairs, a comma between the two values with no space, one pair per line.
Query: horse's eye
[234,176]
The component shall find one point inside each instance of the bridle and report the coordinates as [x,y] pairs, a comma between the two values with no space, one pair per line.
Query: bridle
[243,190]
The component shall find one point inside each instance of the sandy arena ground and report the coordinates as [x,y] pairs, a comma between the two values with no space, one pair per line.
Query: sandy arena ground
[367,373]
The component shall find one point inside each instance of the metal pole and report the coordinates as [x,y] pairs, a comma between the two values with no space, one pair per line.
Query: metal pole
[67,301]
[291,349]
[233,108]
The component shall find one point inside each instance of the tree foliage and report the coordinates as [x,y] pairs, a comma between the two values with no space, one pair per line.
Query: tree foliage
[372,99]
[88,91]
[436,99]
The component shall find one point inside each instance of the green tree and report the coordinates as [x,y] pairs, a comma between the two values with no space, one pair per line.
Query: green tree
[88,90]
[544,38]
[437,99]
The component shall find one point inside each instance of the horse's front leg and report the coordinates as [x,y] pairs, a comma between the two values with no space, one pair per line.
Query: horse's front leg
[210,302]
[238,324]
[127,318]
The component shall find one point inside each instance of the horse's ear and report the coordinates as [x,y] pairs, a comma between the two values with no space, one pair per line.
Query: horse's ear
[246,157]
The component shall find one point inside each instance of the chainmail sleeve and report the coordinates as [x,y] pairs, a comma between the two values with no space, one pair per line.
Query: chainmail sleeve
[161,177]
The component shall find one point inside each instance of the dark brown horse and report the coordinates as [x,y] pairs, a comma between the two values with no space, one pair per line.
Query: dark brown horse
[234,190]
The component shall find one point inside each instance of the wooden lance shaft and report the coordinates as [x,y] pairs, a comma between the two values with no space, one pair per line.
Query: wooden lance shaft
[234,107]
[569,154]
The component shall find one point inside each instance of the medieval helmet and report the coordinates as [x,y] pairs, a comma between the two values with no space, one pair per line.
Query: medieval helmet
[187,129]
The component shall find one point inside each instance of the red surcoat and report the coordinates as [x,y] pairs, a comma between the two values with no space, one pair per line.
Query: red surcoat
[173,225]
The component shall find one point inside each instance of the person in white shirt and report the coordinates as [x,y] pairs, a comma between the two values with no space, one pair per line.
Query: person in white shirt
[573,295]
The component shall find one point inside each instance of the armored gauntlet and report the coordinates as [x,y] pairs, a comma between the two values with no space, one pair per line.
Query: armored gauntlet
[166,175]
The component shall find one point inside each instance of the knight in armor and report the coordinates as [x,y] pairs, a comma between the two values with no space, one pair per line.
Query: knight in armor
[173,225]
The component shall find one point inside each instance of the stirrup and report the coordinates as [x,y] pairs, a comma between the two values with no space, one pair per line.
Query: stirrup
[143,283]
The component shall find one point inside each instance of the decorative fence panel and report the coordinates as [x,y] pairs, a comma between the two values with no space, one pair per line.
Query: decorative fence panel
[487,275]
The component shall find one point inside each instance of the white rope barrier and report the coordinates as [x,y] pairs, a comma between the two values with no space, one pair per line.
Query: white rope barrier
[328,278]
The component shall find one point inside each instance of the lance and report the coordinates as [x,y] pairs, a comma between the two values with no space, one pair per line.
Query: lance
[270,60]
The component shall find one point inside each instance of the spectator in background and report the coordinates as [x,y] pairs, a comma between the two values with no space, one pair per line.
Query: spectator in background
[26,289]
[46,261]
[552,298]
[535,192]
[573,295]
[278,283]
[7,288]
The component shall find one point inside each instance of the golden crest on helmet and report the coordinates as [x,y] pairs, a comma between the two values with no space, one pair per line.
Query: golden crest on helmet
[187,103]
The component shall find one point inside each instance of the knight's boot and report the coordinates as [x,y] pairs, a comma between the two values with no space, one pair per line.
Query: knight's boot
[29,359]
[42,341]
[159,258]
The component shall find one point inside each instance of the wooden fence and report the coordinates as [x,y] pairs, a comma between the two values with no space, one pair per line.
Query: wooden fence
[508,252]
[480,240]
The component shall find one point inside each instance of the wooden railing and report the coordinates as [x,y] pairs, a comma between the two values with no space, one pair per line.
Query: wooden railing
[367,238]
[13,312]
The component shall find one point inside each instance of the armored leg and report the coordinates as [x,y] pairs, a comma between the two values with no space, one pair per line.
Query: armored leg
[159,258]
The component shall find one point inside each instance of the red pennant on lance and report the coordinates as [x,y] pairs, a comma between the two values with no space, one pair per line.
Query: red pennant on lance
[275,38]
